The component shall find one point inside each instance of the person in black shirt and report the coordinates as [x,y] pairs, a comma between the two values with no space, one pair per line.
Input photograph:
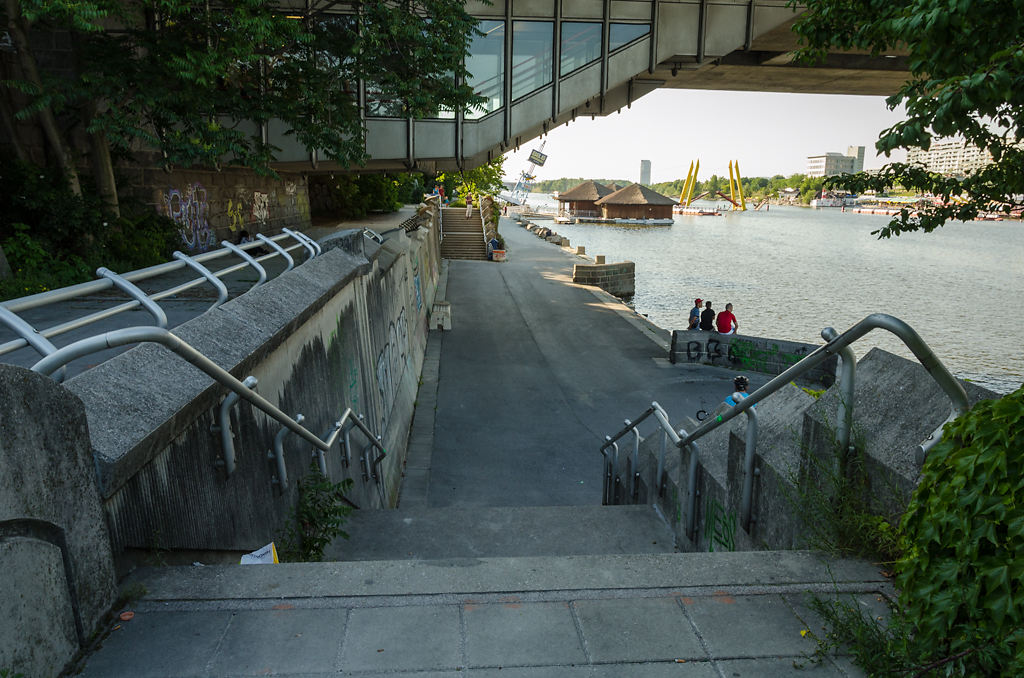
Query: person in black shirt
[707,318]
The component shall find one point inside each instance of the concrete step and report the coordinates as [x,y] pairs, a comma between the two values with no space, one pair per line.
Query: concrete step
[491,532]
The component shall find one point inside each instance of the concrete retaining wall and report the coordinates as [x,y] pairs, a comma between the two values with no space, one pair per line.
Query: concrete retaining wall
[741,352]
[58,574]
[618,279]
[795,454]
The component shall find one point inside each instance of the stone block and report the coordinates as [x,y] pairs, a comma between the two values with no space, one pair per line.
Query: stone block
[58,571]
[599,259]
[581,250]
[896,406]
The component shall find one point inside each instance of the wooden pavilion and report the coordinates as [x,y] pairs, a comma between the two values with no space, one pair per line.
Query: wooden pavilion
[579,200]
[635,202]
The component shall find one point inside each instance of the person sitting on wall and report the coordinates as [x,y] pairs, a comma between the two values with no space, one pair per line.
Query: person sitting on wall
[707,318]
[726,321]
[695,315]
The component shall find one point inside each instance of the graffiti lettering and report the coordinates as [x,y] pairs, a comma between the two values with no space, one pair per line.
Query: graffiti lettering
[190,211]
[694,350]
[235,219]
[719,527]
[260,207]
[391,364]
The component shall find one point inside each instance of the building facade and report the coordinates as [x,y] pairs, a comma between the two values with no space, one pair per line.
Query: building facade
[645,172]
[830,164]
[952,157]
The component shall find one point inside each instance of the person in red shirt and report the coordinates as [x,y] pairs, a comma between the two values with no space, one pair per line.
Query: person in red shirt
[726,321]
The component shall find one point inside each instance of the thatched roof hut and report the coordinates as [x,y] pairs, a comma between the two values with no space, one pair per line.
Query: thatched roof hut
[635,202]
[580,199]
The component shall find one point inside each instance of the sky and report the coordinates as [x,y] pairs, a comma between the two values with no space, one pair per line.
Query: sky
[767,133]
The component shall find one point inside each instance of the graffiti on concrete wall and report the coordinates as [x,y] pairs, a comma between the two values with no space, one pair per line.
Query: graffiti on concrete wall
[260,207]
[236,221]
[719,527]
[748,355]
[190,210]
[391,363]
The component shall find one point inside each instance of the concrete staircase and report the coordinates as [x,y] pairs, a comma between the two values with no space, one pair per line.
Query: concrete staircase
[463,238]
[501,532]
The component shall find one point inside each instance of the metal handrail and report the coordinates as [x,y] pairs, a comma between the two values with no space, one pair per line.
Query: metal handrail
[109,281]
[837,343]
[136,335]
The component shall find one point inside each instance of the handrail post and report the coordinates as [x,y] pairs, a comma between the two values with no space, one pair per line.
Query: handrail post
[280,250]
[31,336]
[691,491]
[844,413]
[224,426]
[746,501]
[277,454]
[634,481]
[132,290]
[247,258]
[222,290]
[304,241]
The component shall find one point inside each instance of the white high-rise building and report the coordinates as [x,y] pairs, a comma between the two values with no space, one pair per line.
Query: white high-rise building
[952,157]
[645,172]
[830,164]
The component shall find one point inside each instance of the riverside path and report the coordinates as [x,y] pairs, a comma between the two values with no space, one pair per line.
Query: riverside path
[515,401]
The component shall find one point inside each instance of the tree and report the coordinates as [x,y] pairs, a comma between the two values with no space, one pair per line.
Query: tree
[195,82]
[487,179]
[966,62]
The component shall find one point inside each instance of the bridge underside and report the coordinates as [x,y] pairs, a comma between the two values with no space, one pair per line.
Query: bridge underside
[556,61]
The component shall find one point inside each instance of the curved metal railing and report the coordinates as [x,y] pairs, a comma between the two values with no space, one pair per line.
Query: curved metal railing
[837,343]
[39,339]
[242,389]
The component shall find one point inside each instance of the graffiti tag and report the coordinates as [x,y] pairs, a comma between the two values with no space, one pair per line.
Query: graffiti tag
[720,526]
[190,210]
[260,207]
[391,364]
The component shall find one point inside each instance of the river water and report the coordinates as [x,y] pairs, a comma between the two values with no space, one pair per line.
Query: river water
[791,271]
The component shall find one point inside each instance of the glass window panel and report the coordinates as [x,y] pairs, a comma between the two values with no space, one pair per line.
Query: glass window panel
[623,34]
[581,45]
[486,64]
[532,56]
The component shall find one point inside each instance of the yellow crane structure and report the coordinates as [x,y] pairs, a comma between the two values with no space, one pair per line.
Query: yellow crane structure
[735,186]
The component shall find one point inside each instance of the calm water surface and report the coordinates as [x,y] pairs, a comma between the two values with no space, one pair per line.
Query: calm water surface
[791,271]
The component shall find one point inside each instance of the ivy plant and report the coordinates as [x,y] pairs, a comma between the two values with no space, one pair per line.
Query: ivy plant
[961,575]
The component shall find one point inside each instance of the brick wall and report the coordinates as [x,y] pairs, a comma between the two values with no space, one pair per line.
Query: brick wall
[618,279]
[211,206]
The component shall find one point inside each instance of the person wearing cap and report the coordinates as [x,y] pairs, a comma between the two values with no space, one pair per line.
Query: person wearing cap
[726,322]
[695,315]
[707,318]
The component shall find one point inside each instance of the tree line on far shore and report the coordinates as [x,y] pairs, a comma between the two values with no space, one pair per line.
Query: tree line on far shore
[753,187]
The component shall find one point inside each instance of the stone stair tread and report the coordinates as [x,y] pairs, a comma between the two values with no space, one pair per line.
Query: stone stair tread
[506,531]
[760,570]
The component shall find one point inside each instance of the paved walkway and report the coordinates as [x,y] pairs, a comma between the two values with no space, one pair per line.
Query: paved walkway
[533,374]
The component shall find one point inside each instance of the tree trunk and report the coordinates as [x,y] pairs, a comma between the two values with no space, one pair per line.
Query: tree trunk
[30,72]
[7,114]
[5,268]
[102,166]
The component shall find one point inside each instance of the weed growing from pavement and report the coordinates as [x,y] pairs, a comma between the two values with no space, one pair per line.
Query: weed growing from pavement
[317,518]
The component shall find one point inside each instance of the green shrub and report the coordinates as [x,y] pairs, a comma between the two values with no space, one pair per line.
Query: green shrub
[961,577]
[53,238]
[317,518]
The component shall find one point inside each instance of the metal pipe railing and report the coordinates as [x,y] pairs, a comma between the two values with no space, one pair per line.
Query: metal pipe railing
[837,343]
[27,334]
[136,335]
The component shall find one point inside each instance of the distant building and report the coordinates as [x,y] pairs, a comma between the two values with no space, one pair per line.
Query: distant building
[645,172]
[831,164]
[952,157]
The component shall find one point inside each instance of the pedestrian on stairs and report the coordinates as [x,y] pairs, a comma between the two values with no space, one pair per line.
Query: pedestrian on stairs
[469,205]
